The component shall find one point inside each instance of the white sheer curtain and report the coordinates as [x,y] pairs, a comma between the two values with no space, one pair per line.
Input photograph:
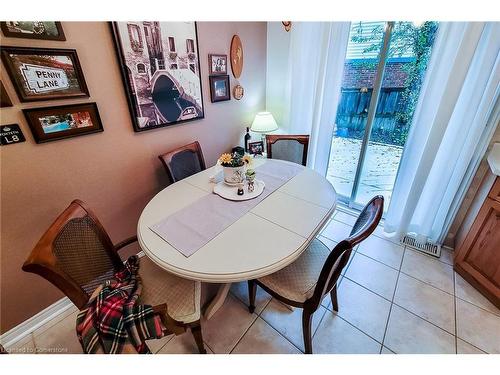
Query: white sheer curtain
[451,128]
[316,62]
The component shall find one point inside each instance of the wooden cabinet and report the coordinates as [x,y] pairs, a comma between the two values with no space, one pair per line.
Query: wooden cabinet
[495,191]
[478,258]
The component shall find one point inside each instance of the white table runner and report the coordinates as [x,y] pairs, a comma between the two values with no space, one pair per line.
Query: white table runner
[190,228]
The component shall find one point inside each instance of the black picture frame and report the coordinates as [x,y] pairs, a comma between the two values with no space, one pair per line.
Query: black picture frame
[127,79]
[31,59]
[85,111]
[215,94]
[256,148]
[12,34]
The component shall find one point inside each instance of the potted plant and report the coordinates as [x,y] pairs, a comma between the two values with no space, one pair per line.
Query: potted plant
[250,175]
[234,167]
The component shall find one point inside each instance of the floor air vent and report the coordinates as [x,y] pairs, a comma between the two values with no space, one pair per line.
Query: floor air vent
[428,248]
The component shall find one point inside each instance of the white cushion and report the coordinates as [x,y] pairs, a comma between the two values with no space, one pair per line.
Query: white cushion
[182,296]
[298,280]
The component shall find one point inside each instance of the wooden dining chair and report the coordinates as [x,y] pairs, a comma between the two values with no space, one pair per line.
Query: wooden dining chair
[305,282]
[288,147]
[183,161]
[76,255]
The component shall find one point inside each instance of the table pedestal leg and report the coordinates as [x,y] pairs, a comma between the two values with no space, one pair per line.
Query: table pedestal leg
[218,300]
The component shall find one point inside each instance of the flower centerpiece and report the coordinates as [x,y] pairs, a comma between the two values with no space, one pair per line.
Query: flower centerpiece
[234,167]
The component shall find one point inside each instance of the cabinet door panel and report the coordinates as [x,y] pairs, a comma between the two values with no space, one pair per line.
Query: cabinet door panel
[478,259]
[495,190]
[484,254]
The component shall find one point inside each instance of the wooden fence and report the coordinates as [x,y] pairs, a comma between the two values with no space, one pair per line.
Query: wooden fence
[353,110]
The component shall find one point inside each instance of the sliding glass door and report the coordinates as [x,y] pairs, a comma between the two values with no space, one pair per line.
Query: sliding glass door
[384,68]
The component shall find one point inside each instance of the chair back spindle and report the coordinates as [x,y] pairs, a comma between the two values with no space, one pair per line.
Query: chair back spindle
[367,220]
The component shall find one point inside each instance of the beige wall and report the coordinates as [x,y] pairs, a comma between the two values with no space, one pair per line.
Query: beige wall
[116,171]
[278,48]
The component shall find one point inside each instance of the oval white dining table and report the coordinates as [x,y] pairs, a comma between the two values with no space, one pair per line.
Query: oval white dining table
[264,240]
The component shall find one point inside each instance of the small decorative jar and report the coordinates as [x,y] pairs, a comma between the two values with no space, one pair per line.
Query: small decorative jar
[250,175]
[250,186]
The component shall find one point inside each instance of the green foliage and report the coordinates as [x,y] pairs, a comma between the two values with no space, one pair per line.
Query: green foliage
[406,39]
[420,39]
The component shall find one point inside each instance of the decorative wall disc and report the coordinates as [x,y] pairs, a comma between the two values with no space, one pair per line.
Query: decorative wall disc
[238,92]
[236,56]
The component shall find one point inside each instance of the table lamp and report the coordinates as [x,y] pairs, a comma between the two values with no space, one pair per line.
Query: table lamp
[264,122]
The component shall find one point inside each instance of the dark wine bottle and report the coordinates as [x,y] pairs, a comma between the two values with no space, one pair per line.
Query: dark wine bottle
[247,139]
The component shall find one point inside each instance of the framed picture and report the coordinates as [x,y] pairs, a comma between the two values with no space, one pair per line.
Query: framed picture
[219,88]
[54,123]
[33,30]
[44,73]
[217,64]
[4,97]
[256,148]
[161,72]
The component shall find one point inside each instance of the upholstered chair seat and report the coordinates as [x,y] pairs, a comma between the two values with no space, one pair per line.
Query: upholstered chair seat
[297,281]
[182,296]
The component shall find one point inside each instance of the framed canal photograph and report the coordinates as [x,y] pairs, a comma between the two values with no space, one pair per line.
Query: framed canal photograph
[219,88]
[217,64]
[50,30]
[44,74]
[54,123]
[160,68]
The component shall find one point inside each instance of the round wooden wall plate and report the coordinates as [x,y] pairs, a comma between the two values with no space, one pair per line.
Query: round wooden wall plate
[236,56]
[238,92]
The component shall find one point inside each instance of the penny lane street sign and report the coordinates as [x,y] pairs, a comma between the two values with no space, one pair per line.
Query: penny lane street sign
[10,134]
[40,79]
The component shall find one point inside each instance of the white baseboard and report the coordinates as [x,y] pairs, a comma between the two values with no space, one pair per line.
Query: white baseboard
[22,330]
[452,249]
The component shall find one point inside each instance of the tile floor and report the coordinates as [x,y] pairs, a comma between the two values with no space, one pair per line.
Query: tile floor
[391,300]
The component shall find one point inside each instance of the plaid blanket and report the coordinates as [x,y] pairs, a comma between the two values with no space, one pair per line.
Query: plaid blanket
[113,321]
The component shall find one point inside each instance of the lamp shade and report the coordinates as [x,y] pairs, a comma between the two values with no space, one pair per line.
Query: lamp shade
[264,122]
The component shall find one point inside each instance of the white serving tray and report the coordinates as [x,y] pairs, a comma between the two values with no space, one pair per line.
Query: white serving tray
[231,192]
